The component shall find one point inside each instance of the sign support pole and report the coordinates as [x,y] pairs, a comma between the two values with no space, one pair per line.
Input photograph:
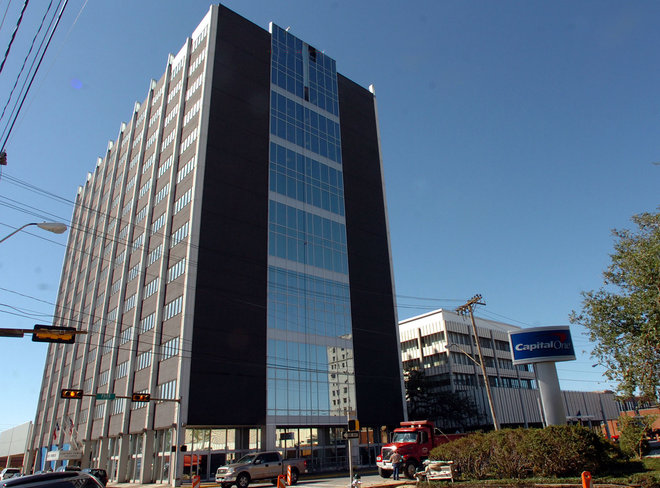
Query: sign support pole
[551,399]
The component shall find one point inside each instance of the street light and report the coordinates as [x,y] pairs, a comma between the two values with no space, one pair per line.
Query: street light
[491,403]
[54,227]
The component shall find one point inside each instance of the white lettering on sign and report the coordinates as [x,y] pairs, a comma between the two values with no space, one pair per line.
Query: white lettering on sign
[552,345]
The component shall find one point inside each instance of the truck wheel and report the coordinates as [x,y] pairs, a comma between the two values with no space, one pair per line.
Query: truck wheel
[384,473]
[243,480]
[294,476]
[409,470]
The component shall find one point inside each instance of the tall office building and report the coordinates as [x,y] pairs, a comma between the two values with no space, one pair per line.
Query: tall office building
[229,255]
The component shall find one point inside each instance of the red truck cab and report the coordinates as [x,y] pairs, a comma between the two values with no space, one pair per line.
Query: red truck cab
[414,441]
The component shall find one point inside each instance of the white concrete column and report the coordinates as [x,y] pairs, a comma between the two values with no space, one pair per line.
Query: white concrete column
[147,466]
[268,437]
[122,463]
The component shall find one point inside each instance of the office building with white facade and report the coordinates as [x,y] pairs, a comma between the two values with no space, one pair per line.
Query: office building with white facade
[441,343]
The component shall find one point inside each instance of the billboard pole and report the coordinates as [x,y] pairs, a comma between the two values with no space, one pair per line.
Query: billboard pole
[551,399]
[543,346]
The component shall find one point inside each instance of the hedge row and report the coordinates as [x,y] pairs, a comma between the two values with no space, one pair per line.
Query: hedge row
[519,453]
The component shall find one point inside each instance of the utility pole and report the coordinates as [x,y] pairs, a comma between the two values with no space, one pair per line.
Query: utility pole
[468,309]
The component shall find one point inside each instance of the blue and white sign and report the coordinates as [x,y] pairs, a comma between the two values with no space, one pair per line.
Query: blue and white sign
[542,344]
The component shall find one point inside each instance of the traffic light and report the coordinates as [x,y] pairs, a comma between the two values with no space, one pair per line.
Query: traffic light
[47,333]
[140,397]
[77,394]
[353,425]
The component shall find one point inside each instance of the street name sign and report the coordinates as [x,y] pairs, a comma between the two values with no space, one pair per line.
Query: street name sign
[105,396]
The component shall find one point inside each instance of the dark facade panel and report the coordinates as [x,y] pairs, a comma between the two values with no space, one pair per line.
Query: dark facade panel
[228,366]
[375,338]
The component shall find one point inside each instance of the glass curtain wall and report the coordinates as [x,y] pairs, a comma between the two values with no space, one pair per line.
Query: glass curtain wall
[310,347]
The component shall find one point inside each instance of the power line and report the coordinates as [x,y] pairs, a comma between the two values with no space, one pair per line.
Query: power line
[13,34]
[5,15]
[50,37]
[25,60]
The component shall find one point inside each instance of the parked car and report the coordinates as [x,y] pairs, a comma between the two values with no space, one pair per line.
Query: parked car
[68,467]
[61,479]
[98,473]
[259,467]
[7,473]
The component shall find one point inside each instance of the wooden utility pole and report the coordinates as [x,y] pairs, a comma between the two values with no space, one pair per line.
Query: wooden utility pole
[468,309]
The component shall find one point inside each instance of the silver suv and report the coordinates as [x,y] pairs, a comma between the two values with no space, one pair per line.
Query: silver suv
[64,479]
[7,473]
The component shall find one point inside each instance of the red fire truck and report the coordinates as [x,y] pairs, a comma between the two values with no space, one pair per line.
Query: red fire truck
[414,441]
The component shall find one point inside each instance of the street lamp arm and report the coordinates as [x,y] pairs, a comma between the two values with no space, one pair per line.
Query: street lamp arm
[464,352]
[15,232]
[55,227]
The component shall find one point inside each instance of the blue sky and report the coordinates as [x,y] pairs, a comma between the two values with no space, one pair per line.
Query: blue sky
[515,136]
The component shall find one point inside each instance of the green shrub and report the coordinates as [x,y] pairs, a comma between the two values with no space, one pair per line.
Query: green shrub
[470,455]
[509,457]
[568,450]
[517,453]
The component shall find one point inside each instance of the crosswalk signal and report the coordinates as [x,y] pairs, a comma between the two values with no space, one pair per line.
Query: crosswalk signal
[353,425]
[77,394]
[140,397]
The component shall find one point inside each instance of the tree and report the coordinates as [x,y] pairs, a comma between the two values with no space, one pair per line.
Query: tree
[634,430]
[623,316]
[418,394]
[428,400]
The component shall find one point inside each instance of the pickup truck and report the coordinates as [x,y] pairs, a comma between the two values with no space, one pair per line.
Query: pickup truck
[258,467]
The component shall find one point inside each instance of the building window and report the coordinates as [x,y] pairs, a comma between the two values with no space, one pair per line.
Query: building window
[177,270]
[151,288]
[187,168]
[122,370]
[137,243]
[99,411]
[143,360]
[155,255]
[118,405]
[158,223]
[112,315]
[167,391]
[129,303]
[125,336]
[178,235]
[173,308]
[147,323]
[104,377]
[182,201]
[133,272]
[169,349]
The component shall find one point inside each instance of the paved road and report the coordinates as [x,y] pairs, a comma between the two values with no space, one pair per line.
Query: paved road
[327,481]
[330,481]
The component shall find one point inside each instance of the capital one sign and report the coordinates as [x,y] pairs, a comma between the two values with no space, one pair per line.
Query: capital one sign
[542,344]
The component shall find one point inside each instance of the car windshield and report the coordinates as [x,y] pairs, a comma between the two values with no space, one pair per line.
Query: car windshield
[404,437]
[246,459]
